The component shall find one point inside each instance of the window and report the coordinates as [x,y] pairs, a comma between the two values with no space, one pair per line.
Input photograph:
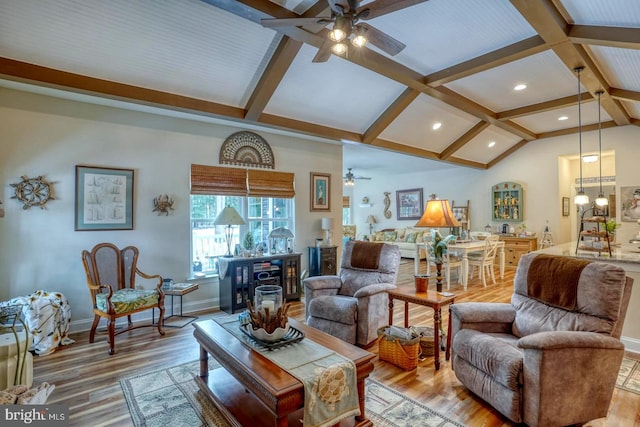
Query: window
[261,214]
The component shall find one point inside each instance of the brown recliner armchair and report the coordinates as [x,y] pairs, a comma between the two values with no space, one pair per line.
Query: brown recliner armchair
[111,278]
[550,357]
[354,304]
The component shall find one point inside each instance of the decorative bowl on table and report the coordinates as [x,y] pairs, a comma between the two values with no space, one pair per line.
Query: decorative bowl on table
[262,335]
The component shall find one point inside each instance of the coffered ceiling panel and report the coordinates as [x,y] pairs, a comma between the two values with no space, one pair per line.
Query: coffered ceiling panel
[549,121]
[494,88]
[414,126]
[335,93]
[620,66]
[616,13]
[478,148]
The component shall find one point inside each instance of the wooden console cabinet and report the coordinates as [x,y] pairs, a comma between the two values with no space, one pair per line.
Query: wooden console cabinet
[515,247]
[240,276]
[323,260]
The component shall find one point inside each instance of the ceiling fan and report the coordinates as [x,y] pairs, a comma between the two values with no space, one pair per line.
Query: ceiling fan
[350,178]
[347,26]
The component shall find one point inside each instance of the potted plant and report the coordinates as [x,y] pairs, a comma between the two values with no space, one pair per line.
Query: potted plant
[610,227]
[248,242]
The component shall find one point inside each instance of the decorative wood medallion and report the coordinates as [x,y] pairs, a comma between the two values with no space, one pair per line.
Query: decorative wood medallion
[247,149]
[33,192]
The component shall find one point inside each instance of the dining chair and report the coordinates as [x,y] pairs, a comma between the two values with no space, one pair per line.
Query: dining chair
[450,260]
[485,260]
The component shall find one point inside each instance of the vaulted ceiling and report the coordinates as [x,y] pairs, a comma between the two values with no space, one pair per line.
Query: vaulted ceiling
[462,60]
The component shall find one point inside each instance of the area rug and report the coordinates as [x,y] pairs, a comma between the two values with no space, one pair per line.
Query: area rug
[629,375]
[170,397]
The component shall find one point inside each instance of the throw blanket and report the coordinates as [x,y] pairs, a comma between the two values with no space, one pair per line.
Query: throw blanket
[366,255]
[48,316]
[554,280]
[329,379]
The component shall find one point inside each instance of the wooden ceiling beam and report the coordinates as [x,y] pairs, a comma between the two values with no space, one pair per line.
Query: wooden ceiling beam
[507,153]
[624,95]
[307,128]
[390,114]
[519,50]
[270,79]
[549,23]
[420,152]
[463,140]
[56,79]
[620,37]
[569,131]
[541,107]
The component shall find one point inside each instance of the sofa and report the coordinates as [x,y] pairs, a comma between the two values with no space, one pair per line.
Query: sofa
[405,238]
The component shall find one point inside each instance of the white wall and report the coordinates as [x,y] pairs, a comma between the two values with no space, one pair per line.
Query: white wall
[40,135]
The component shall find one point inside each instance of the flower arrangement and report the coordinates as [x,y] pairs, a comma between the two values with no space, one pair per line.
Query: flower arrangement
[610,225]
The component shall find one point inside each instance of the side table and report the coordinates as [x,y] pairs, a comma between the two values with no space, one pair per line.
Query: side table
[431,299]
[9,317]
[178,292]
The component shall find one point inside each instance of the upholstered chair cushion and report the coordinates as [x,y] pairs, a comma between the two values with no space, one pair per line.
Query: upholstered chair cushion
[127,300]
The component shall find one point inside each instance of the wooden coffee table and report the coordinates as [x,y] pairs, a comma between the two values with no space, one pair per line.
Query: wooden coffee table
[428,299]
[252,390]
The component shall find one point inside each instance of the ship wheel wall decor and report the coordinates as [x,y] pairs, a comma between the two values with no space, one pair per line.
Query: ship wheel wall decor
[33,192]
[247,149]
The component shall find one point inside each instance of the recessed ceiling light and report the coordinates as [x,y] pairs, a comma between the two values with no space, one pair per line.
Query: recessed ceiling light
[563,118]
[436,126]
[520,87]
[491,144]
[590,158]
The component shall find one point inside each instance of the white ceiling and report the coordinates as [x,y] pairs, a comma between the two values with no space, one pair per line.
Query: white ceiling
[213,59]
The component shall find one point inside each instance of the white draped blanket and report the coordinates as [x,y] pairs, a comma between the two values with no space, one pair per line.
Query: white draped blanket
[48,316]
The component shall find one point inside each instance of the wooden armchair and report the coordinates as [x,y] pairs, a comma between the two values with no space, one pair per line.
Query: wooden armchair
[111,275]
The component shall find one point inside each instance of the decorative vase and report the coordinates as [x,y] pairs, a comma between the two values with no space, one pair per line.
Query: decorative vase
[422,281]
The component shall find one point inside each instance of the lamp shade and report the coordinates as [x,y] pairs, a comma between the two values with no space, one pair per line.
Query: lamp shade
[280,233]
[327,223]
[371,220]
[437,213]
[229,216]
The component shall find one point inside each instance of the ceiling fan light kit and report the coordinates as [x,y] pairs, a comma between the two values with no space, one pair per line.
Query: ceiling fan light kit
[347,26]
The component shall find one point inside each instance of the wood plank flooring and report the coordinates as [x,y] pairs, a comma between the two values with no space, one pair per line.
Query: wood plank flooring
[87,378]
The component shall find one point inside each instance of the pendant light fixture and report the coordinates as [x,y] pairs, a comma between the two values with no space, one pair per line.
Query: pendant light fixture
[600,200]
[580,198]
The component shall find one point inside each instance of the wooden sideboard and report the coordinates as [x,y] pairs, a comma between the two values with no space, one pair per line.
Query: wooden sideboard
[515,247]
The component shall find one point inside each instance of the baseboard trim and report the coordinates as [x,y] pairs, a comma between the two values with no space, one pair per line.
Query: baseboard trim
[631,345]
[82,325]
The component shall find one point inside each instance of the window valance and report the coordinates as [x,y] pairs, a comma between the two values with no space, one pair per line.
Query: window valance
[217,180]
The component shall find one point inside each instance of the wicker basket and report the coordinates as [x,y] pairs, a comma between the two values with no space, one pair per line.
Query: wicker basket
[426,341]
[400,352]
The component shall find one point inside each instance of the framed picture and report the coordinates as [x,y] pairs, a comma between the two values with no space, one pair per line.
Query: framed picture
[320,191]
[104,198]
[409,203]
[565,206]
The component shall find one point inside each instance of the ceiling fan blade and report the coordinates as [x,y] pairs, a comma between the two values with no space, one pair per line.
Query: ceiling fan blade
[382,7]
[361,177]
[337,8]
[382,40]
[324,53]
[296,22]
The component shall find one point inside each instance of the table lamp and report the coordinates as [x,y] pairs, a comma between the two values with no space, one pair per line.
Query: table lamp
[437,214]
[327,225]
[371,220]
[229,217]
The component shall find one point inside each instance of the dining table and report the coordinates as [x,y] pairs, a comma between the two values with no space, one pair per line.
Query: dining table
[463,248]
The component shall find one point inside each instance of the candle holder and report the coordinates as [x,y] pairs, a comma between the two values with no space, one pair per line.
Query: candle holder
[269,321]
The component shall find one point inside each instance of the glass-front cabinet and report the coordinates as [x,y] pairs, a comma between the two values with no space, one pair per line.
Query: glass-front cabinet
[507,199]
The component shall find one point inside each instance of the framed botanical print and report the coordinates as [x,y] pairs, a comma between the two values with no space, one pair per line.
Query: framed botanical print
[320,192]
[409,203]
[104,199]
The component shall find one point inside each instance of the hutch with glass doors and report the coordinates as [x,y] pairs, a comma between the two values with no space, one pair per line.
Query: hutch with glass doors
[507,201]
[240,276]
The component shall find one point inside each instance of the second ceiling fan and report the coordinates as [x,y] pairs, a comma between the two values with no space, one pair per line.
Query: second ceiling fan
[350,178]
[347,26]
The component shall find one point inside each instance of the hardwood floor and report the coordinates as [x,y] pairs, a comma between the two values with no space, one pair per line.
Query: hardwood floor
[87,378]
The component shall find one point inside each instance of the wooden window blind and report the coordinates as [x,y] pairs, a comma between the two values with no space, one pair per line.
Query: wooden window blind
[216,180]
[264,183]
[346,201]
